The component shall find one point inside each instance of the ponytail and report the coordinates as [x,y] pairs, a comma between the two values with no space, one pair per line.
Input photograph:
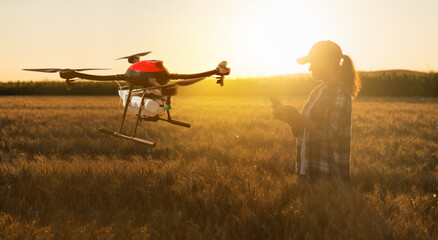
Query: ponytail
[349,76]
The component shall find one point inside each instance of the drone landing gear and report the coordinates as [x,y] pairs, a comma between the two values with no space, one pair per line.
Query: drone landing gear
[139,118]
[134,139]
[120,132]
[169,120]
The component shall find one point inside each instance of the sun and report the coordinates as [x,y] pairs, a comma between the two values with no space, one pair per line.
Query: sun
[277,34]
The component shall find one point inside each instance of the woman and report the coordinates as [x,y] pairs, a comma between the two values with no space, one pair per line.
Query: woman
[324,124]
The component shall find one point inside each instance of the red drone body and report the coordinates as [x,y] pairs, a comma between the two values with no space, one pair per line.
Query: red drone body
[144,72]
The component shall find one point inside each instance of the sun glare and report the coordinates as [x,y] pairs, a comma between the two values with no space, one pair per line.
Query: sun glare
[277,35]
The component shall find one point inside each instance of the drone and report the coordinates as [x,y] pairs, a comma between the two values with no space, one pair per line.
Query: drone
[148,90]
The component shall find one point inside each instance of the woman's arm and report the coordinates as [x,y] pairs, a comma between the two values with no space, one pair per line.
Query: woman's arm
[327,127]
[289,115]
[307,123]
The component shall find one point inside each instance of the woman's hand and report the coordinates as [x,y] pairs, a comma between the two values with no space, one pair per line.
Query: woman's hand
[287,113]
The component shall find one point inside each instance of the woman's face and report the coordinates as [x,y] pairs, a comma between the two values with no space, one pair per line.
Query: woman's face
[323,70]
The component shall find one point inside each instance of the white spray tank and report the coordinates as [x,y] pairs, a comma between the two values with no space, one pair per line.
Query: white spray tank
[151,107]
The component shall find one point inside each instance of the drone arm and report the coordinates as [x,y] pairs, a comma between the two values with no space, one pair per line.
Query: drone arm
[221,70]
[73,74]
[195,75]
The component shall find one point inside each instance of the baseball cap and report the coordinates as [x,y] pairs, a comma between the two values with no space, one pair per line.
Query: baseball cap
[325,50]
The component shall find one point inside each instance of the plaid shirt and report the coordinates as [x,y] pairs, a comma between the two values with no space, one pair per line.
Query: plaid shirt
[327,150]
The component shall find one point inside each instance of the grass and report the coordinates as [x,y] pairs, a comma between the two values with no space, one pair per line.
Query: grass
[230,176]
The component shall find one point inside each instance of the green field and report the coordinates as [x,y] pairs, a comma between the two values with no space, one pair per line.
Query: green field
[230,176]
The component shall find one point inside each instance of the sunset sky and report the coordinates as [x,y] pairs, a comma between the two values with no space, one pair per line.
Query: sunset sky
[257,38]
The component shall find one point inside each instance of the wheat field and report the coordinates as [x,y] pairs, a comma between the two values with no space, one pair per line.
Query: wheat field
[230,176]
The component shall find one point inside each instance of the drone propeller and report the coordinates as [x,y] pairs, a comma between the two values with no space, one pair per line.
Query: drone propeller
[172,85]
[135,57]
[54,70]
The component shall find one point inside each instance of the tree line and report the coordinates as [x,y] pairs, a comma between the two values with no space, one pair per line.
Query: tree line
[391,84]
